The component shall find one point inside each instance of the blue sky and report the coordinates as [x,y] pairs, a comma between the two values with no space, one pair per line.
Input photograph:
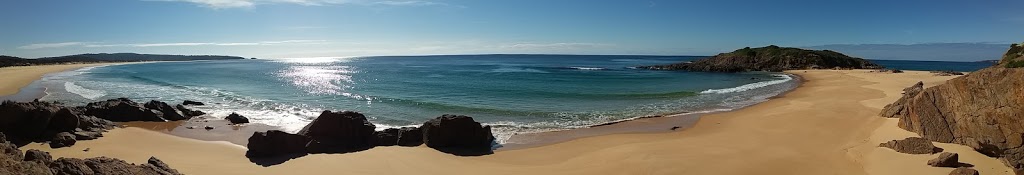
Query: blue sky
[321,28]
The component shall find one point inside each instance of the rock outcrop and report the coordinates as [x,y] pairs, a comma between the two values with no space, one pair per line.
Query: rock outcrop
[38,162]
[964,171]
[410,136]
[336,132]
[387,137]
[194,103]
[982,110]
[36,121]
[771,58]
[456,131]
[945,160]
[913,145]
[122,110]
[188,112]
[63,139]
[169,113]
[274,142]
[235,118]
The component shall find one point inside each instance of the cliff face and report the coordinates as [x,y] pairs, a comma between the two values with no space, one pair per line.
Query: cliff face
[984,110]
[770,58]
[1014,58]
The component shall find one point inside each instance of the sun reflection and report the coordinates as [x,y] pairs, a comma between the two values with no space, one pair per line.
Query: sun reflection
[319,78]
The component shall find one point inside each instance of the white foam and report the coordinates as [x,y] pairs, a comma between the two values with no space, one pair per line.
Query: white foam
[513,70]
[746,87]
[82,91]
[588,68]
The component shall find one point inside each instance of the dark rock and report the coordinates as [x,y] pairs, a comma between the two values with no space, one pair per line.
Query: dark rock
[964,171]
[946,73]
[913,145]
[37,155]
[410,136]
[770,58]
[190,102]
[456,131]
[334,132]
[234,118]
[85,135]
[189,112]
[208,127]
[897,71]
[28,121]
[122,110]
[63,139]
[8,149]
[62,121]
[275,143]
[94,124]
[160,166]
[387,137]
[945,160]
[104,165]
[168,112]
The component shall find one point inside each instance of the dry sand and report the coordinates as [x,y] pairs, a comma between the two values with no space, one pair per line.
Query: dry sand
[829,125]
[14,78]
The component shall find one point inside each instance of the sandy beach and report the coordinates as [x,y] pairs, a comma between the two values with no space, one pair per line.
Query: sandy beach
[20,76]
[828,125]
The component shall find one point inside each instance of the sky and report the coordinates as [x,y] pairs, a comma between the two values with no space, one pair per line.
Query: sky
[329,28]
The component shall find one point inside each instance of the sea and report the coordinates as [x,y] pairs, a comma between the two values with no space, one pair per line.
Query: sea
[515,94]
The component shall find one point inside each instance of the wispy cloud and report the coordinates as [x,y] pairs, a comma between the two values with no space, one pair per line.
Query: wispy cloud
[222,4]
[95,44]
[51,45]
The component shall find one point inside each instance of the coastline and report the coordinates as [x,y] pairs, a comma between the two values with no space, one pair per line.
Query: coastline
[828,125]
[18,77]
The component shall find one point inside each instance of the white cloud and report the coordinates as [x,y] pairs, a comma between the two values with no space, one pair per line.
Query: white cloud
[51,45]
[221,4]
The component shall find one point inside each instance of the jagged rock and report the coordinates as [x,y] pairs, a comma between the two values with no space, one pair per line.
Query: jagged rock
[208,127]
[410,136]
[94,124]
[945,160]
[982,110]
[964,171]
[168,112]
[85,135]
[8,149]
[104,165]
[913,145]
[946,73]
[896,110]
[234,118]
[28,121]
[188,112]
[37,155]
[334,132]
[456,131]
[160,166]
[190,102]
[387,137]
[122,110]
[63,139]
[770,58]
[274,143]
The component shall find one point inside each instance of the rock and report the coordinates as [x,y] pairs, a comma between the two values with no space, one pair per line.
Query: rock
[410,136]
[981,109]
[28,121]
[85,135]
[913,145]
[122,110]
[104,165]
[234,118]
[63,139]
[94,124]
[189,112]
[896,71]
[8,149]
[945,160]
[946,73]
[36,155]
[190,102]
[896,110]
[168,112]
[62,121]
[191,127]
[160,166]
[1014,58]
[275,143]
[208,127]
[334,132]
[964,171]
[770,58]
[456,131]
[387,137]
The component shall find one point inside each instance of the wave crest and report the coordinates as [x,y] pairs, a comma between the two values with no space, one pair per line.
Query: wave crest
[785,78]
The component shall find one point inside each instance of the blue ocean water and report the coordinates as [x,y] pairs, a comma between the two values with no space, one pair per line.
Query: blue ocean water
[513,93]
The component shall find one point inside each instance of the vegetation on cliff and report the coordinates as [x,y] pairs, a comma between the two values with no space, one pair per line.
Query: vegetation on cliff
[771,58]
[6,61]
[1014,58]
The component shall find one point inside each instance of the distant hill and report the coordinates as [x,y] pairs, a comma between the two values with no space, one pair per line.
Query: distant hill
[930,51]
[6,61]
[770,58]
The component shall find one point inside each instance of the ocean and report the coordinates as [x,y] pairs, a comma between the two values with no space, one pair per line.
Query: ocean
[513,93]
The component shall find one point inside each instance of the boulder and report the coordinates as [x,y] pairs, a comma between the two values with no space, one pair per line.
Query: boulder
[945,160]
[161,167]
[94,124]
[63,139]
[194,103]
[27,121]
[913,145]
[456,131]
[62,121]
[275,143]
[334,132]
[234,118]
[104,165]
[981,110]
[188,112]
[168,112]
[37,155]
[896,110]
[8,149]
[387,137]
[410,136]
[86,135]
[964,171]
[122,110]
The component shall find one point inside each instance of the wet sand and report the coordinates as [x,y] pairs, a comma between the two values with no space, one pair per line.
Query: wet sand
[15,78]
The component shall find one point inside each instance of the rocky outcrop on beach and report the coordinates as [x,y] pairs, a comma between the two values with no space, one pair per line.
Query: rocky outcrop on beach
[235,118]
[770,58]
[37,121]
[982,110]
[126,110]
[189,113]
[347,131]
[12,161]
[194,103]
[913,145]
[964,171]
[945,160]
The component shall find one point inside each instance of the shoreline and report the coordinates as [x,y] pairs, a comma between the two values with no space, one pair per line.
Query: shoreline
[25,89]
